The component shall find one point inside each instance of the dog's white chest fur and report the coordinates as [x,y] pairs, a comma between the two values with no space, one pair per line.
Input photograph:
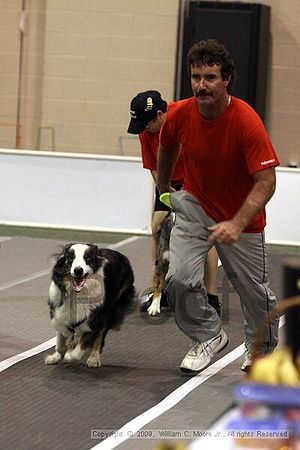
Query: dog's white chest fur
[76,306]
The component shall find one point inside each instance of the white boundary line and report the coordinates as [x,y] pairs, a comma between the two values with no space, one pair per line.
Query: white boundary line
[27,354]
[143,419]
[171,400]
[227,444]
[5,238]
[129,240]
[24,279]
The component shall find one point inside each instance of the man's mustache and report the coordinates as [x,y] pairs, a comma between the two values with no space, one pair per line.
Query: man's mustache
[203,94]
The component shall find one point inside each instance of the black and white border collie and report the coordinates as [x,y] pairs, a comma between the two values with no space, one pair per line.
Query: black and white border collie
[92,289]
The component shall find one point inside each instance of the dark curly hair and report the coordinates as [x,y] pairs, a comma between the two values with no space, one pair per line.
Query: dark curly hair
[209,52]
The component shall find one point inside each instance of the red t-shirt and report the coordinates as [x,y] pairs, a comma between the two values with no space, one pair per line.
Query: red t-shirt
[220,155]
[149,147]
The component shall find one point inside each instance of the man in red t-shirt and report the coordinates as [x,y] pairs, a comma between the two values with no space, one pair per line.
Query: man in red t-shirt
[148,112]
[229,177]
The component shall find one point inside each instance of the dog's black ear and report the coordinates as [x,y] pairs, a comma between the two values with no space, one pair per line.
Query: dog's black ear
[66,248]
[95,252]
[62,255]
[59,271]
[59,268]
[94,248]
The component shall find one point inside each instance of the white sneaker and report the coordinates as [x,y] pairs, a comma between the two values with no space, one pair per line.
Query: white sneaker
[248,357]
[201,354]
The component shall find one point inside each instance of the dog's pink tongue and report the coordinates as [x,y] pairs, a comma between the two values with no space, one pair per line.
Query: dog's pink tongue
[78,285]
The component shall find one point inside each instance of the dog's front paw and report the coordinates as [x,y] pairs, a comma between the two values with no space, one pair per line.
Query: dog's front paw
[76,354]
[69,356]
[54,358]
[154,308]
[93,360]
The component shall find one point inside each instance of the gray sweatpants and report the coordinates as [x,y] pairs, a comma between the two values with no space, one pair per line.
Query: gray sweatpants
[245,264]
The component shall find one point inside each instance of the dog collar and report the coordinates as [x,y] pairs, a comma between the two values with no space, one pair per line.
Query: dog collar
[74,325]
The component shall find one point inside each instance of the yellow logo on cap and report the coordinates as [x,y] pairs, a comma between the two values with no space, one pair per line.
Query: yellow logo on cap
[149,106]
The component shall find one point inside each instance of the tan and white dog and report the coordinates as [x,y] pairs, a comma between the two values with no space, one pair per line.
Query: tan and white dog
[161,266]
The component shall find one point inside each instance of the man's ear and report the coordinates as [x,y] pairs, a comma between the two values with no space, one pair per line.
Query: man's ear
[227,80]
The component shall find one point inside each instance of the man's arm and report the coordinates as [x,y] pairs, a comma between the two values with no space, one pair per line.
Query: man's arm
[263,189]
[166,161]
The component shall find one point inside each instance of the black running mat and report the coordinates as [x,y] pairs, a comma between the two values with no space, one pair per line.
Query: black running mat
[56,407]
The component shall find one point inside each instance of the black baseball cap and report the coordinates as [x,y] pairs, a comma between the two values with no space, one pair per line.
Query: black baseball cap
[143,108]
